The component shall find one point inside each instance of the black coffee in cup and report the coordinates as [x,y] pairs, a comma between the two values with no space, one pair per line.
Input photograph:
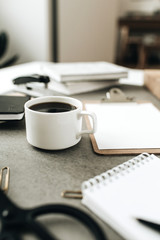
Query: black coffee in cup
[52,107]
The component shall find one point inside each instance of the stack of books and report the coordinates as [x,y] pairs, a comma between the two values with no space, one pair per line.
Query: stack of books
[78,77]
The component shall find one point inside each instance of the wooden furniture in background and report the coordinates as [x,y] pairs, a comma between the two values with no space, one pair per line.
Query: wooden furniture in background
[139,41]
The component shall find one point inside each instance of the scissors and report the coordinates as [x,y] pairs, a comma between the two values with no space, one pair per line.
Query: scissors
[16,221]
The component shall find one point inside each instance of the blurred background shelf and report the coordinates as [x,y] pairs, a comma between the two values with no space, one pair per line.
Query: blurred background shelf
[139,41]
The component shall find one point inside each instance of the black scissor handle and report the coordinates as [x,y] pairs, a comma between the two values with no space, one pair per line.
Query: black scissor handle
[15,220]
[12,228]
[73,212]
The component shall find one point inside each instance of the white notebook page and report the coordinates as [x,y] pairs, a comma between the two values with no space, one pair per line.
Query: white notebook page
[126,125]
[131,195]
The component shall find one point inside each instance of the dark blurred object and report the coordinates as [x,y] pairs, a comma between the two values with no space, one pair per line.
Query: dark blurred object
[139,42]
[157,13]
[3,48]
[32,78]
[3,43]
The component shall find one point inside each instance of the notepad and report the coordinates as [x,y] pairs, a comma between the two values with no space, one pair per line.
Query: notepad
[129,191]
[12,107]
[126,127]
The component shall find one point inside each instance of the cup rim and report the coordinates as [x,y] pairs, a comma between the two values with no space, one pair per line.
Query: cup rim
[31,102]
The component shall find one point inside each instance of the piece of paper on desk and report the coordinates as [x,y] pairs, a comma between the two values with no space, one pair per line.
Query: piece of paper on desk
[54,87]
[80,87]
[135,78]
[9,73]
[126,126]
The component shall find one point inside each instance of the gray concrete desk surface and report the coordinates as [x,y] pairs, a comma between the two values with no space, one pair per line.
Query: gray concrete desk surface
[38,176]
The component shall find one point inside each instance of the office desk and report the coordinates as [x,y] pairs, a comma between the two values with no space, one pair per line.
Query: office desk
[38,176]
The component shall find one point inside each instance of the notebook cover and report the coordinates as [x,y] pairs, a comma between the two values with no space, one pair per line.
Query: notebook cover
[12,106]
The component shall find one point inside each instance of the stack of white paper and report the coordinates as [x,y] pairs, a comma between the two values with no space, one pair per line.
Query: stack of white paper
[84,71]
[78,77]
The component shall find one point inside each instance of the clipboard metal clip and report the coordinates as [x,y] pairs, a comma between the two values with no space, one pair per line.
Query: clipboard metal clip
[116,95]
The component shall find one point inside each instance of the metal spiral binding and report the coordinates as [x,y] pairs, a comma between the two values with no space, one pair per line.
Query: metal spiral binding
[118,171]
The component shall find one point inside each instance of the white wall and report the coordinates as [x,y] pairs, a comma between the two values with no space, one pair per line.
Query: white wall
[87,30]
[27,23]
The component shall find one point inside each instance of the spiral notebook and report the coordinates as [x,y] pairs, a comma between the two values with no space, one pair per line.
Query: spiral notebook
[126,193]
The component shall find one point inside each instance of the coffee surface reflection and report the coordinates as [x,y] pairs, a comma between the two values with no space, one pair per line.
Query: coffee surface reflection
[52,107]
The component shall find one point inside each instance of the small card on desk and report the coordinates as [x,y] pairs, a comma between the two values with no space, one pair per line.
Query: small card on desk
[12,107]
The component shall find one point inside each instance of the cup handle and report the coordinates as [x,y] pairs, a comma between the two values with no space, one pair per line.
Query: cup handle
[94,121]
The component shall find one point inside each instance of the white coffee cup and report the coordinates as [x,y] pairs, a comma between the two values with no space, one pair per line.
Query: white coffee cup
[55,130]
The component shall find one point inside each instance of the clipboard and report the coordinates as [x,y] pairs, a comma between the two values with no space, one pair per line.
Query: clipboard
[117,141]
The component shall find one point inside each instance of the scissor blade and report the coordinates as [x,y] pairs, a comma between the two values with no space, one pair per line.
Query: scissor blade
[5,203]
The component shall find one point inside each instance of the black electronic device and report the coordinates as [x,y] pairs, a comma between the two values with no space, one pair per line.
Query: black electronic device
[12,107]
